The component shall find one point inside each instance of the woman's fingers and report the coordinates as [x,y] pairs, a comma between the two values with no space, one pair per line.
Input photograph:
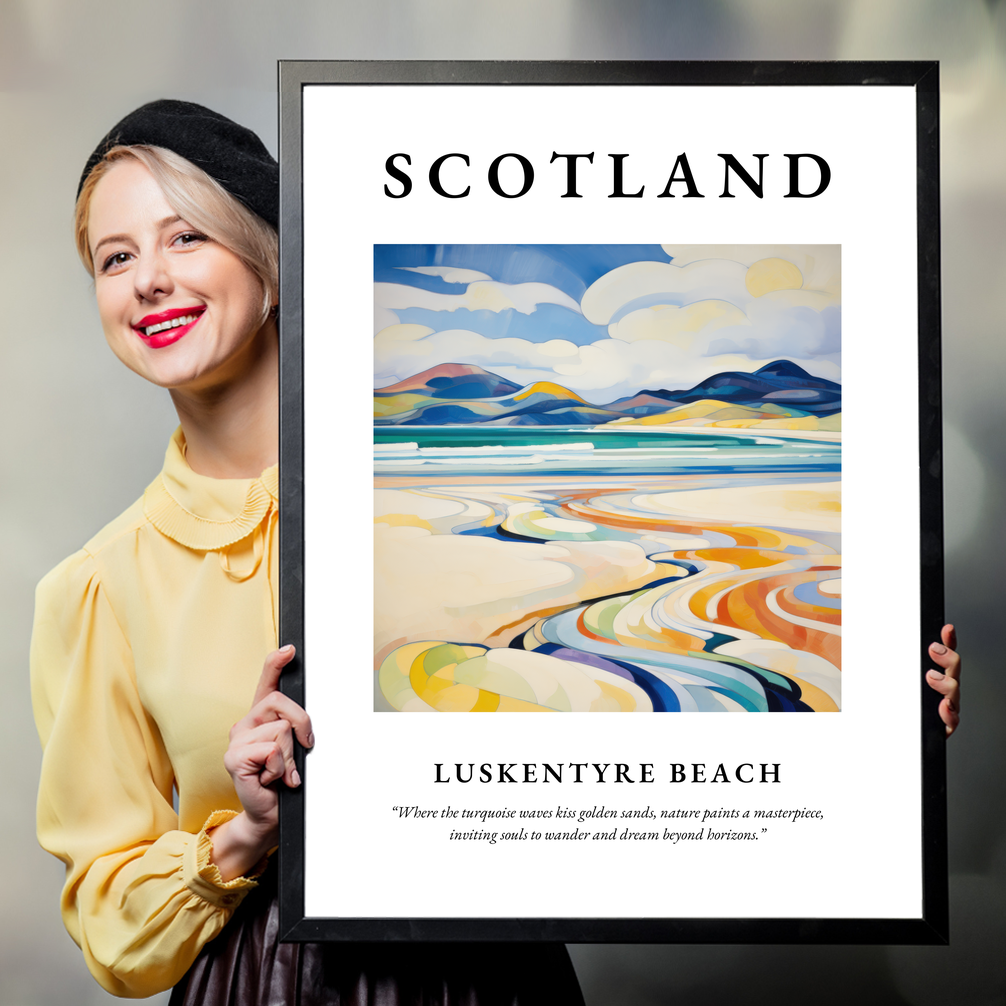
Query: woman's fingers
[271,671]
[946,655]
[949,636]
[261,749]
[259,760]
[274,766]
[270,703]
[949,709]
[950,716]
[949,660]
[277,735]
[947,680]
[277,706]
[947,686]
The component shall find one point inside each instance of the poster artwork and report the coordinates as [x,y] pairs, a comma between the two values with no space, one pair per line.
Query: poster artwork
[613,475]
[607,478]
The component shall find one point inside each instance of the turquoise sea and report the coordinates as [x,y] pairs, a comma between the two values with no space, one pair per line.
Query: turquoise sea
[477,450]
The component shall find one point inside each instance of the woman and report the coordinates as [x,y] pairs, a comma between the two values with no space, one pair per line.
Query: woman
[149,643]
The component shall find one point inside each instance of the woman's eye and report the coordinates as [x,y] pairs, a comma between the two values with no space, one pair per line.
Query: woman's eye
[190,238]
[114,261]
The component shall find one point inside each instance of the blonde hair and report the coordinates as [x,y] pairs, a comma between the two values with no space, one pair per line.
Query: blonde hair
[199,200]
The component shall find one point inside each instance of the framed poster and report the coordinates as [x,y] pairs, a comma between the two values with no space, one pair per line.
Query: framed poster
[594,377]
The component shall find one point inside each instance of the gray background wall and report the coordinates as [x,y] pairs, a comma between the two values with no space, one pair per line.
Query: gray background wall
[82,436]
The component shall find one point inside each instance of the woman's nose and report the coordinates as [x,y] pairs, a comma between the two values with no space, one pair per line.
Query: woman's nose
[152,277]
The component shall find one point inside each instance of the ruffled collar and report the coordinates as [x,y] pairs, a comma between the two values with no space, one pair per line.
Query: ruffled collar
[203,513]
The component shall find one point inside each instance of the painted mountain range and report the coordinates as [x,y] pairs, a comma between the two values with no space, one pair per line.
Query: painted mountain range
[780,394]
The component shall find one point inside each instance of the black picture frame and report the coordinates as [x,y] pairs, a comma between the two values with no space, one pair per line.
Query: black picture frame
[931,927]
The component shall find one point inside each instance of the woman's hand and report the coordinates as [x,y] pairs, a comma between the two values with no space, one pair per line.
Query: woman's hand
[948,681]
[260,753]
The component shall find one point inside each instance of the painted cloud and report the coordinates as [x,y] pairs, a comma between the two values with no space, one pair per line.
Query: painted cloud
[606,321]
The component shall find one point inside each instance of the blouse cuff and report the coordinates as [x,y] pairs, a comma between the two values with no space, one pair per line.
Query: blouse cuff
[202,876]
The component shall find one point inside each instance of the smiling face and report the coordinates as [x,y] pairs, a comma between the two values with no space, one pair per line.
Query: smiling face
[177,307]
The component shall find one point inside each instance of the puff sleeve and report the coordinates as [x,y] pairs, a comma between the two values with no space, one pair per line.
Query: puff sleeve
[141,897]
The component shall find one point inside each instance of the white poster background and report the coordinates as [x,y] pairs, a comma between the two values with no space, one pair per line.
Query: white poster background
[861,766]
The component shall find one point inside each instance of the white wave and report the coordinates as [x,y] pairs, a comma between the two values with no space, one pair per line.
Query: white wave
[635,451]
[530,459]
[502,449]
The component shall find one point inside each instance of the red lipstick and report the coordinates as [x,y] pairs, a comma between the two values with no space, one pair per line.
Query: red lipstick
[165,333]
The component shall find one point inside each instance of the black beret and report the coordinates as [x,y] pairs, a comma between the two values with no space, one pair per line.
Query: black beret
[231,154]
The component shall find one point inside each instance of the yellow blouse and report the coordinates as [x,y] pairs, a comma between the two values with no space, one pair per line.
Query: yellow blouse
[147,647]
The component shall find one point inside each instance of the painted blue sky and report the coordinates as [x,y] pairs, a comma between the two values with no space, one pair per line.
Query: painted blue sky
[606,320]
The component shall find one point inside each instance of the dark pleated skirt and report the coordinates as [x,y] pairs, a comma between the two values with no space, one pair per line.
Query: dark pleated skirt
[246,965]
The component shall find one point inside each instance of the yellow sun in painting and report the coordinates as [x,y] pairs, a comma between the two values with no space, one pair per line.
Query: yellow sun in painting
[770,274]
